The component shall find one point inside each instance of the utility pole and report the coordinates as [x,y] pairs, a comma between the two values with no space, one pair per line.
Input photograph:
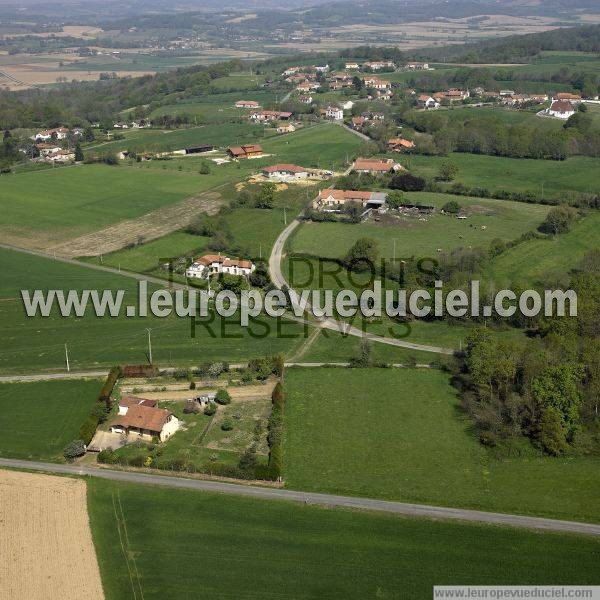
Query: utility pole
[149,344]
[394,252]
[67,357]
[284,216]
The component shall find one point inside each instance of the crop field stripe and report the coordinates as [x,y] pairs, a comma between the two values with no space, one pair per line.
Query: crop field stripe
[134,578]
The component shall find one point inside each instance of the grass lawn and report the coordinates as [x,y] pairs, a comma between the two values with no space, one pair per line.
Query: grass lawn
[37,344]
[400,434]
[537,261]
[515,174]
[38,419]
[69,201]
[146,258]
[412,237]
[185,544]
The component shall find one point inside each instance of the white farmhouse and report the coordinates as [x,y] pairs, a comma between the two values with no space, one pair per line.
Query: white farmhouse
[215,264]
[562,109]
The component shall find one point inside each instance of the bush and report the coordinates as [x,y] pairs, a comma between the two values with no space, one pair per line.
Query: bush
[452,207]
[210,409]
[407,182]
[74,449]
[227,424]
[108,456]
[223,397]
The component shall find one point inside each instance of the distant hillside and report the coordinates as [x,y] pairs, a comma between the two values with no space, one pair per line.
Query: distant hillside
[520,48]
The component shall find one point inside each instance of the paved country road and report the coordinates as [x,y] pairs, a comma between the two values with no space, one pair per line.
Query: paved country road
[328,323]
[329,500]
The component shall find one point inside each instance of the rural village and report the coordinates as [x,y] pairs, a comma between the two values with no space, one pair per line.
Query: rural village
[241,150]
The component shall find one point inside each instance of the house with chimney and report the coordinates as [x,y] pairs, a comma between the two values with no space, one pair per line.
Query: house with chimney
[285,172]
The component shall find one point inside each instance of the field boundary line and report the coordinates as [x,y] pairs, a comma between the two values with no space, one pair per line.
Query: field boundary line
[316,498]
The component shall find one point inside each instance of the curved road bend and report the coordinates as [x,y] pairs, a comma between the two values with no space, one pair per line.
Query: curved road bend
[328,323]
[266,493]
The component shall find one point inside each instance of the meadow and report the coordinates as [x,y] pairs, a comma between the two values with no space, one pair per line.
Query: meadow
[146,258]
[547,260]
[38,419]
[216,107]
[167,140]
[36,344]
[184,544]
[400,434]
[545,178]
[487,219]
[52,205]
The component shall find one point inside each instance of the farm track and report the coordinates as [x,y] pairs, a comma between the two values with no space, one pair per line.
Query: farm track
[150,226]
[325,500]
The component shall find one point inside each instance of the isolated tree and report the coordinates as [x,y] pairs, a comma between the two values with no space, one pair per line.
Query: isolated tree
[447,171]
[558,220]
[78,153]
[395,199]
[363,255]
[452,207]
[74,450]
[266,196]
[204,169]
[223,397]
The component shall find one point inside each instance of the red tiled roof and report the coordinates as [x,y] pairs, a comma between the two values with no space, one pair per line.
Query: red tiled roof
[562,106]
[344,194]
[401,142]
[144,417]
[366,164]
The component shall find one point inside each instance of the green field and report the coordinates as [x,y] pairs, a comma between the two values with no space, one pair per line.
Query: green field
[515,174]
[538,261]
[400,434]
[185,544]
[501,219]
[158,140]
[69,201]
[217,107]
[146,258]
[37,344]
[37,420]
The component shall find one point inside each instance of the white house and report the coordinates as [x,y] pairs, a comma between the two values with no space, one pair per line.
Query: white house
[334,112]
[321,69]
[417,66]
[347,105]
[58,133]
[215,264]
[425,101]
[138,418]
[562,109]
[285,172]
[352,66]
[305,99]
[376,84]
